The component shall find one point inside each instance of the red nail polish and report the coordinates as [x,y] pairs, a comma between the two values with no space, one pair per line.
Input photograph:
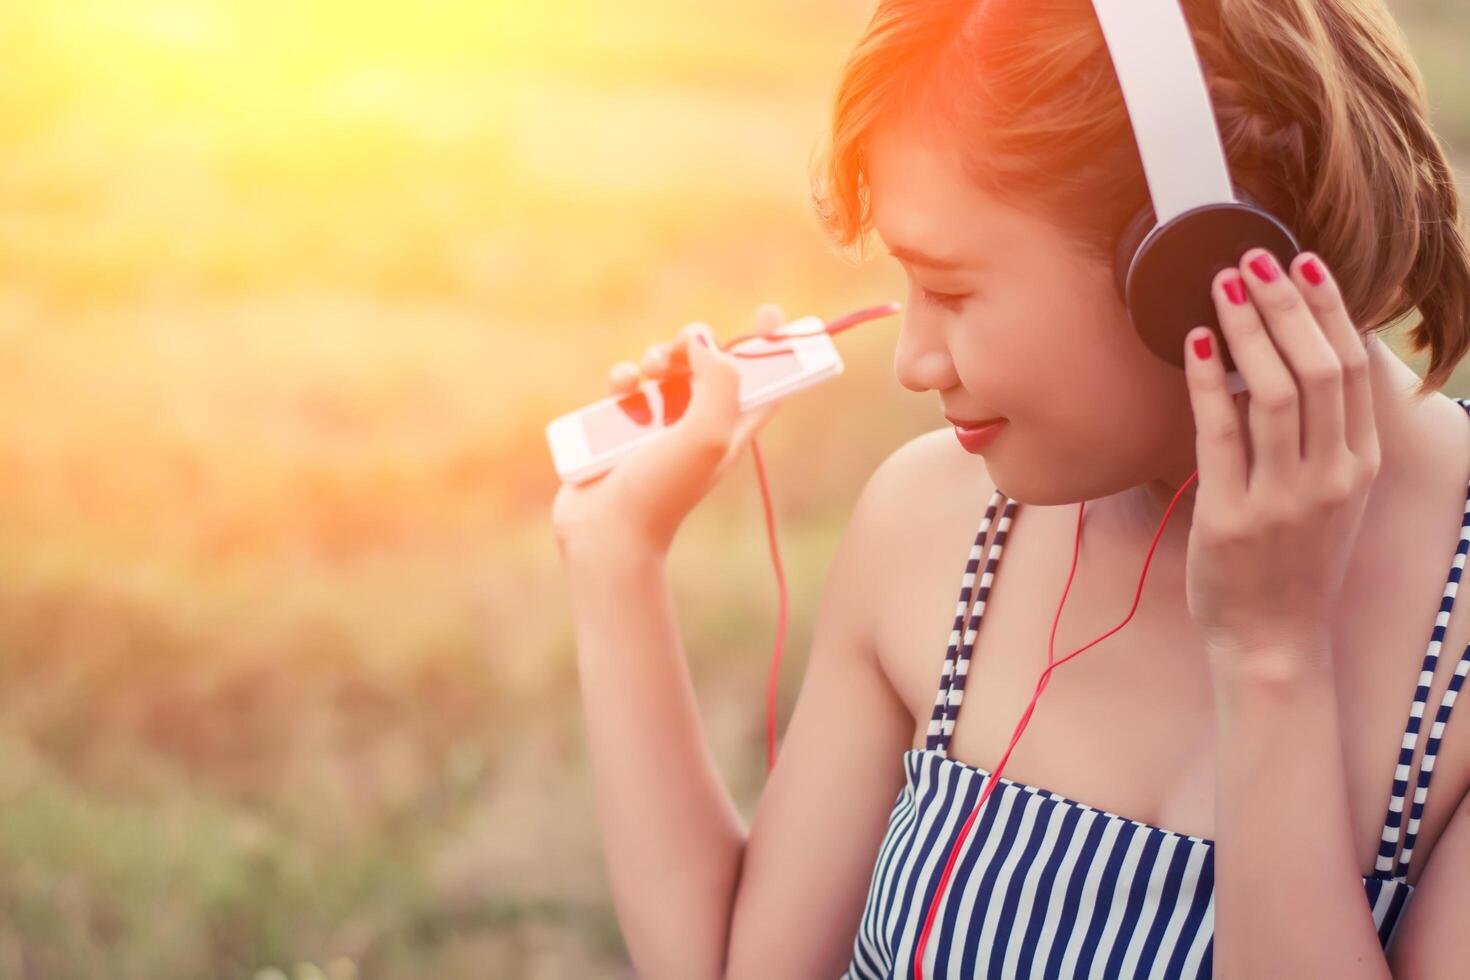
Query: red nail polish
[1265,267]
[1202,347]
[1313,273]
[1235,290]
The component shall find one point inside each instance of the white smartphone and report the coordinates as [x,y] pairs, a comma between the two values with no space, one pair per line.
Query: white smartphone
[586,443]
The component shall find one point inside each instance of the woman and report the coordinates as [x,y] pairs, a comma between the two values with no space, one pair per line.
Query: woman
[1222,786]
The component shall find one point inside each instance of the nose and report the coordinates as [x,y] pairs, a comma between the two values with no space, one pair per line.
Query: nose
[921,358]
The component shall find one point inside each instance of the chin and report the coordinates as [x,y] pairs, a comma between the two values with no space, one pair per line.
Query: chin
[1044,483]
[1040,488]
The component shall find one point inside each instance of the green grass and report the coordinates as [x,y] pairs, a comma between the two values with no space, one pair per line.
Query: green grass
[287,684]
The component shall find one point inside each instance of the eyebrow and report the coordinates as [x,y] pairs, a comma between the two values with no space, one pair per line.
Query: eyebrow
[915,257]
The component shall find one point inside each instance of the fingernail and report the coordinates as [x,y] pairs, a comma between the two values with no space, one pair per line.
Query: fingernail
[1312,272]
[1235,290]
[1265,267]
[1202,347]
[702,339]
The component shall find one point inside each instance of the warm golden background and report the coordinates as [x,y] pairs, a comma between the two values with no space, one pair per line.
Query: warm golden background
[288,290]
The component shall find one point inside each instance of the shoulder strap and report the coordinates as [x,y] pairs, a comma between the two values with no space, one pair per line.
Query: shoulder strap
[957,655]
[1389,839]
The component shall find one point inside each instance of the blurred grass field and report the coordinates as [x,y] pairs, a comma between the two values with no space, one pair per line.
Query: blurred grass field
[287,294]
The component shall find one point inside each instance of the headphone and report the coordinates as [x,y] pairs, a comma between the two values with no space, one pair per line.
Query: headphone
[1198,222]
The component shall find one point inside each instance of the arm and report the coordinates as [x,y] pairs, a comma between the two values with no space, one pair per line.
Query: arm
[696,895]
[1288,893]
[671,836]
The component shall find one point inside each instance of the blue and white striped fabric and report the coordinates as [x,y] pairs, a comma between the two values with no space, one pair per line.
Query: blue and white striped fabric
[1050,887]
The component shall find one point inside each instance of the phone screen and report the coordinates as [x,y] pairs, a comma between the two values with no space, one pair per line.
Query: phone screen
[619,422]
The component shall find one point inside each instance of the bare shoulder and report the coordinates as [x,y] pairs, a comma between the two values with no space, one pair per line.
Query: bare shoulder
[927,492]
[930,469]
[911,499]
[847,732]
[911,530]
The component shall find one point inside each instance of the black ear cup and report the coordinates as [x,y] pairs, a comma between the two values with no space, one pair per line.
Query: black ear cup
[1164,273]
[1133,235]
[1137,230]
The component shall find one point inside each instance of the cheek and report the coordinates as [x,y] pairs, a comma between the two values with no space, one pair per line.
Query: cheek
[1078,344]
[1047,356]
[1088,373]
[1096,343]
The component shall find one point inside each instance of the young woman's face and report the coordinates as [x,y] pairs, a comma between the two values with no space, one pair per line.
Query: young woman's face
[1019,323]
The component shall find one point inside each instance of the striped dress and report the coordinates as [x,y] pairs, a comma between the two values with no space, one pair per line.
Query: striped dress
[1048,886]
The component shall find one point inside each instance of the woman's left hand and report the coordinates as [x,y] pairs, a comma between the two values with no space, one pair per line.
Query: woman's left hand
[1278,507]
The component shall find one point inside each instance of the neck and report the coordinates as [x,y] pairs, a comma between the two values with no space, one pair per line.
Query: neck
[1404,425]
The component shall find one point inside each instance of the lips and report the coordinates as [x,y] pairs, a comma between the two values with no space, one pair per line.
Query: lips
[972,423]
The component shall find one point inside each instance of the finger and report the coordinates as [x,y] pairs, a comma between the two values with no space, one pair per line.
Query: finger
[1324,298]
[1308,354]
[1242,402]
[714,404]
[655,360]
[623,377]
[1220,451]
[1275,424]
[679,346]
[688,454]
[691,330]
[768,317]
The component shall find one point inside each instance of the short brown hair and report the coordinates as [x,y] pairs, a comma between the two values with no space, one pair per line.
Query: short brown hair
[1321,108]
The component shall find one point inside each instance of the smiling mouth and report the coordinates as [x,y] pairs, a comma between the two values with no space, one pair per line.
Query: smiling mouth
[969,424]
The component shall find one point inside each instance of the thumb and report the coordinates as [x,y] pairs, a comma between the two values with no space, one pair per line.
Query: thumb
[714,406]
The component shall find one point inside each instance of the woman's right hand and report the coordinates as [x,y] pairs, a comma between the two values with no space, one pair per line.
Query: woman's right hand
[647,494]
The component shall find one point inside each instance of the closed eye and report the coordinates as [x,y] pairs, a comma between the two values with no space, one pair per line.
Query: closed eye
[948,301]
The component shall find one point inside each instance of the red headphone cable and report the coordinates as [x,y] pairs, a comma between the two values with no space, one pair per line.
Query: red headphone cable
[834,327]
[1051,665]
